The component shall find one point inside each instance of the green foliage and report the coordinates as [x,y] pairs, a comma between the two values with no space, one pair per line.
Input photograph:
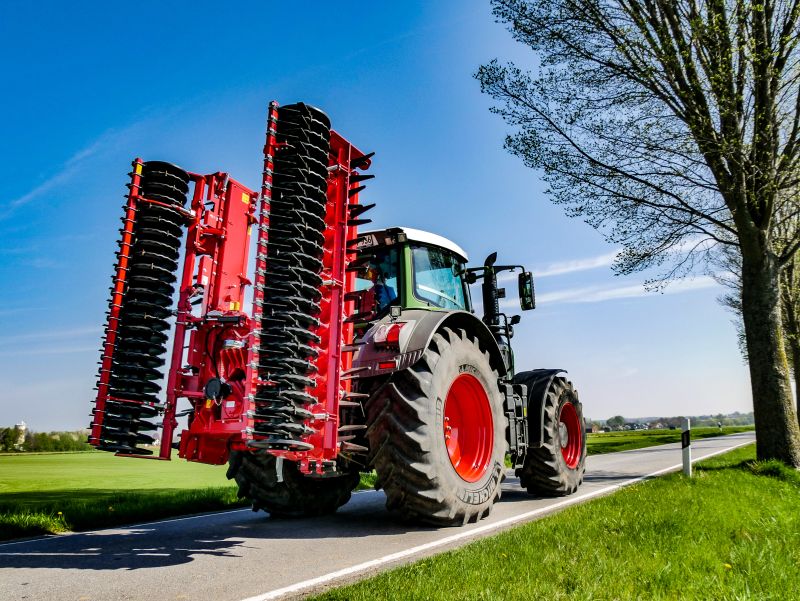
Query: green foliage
[44,442]
[367,481]
[8,438]
[615,422]
[731,532]
[56,442]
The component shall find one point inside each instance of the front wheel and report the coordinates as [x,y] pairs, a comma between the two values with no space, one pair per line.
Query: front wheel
[556,468]
[279,487]
[437,433]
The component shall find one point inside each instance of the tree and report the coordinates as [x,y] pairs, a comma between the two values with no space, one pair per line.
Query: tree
[673,127]
[8,438]
[729,262]
[615,422]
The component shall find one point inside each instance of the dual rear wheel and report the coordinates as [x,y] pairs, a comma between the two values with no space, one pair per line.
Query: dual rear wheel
[556,467]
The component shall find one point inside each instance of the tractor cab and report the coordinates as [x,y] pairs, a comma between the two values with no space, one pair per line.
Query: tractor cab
[410,269]
[408,282]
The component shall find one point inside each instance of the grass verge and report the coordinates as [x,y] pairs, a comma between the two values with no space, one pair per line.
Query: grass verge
[47,493]
[50,493]
[731,532]
[103,509]
[611,442]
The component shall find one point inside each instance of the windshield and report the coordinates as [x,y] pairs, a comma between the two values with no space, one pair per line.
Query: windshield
[437,277]
[379,277]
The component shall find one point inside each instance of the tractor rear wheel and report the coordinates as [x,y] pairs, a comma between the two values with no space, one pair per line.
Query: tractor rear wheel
[437,434]
[556,468]
[290,493]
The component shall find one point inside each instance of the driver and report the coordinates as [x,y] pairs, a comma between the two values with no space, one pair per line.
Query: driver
[384,294]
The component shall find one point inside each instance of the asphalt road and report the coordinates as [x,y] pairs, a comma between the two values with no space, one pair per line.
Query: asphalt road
[237,555]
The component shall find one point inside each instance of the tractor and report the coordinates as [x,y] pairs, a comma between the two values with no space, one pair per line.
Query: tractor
[361,351]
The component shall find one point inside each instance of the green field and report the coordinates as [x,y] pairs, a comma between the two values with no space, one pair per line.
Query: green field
[45,492]
[56,492]
[611,442]
[731,532]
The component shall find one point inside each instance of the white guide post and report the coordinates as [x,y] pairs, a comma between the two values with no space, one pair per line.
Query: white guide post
[686,445]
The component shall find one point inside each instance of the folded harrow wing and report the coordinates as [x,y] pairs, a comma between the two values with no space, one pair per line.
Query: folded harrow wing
[321,352]
[268,378]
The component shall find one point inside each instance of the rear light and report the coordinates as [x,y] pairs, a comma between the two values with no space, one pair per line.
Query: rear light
[387,364]
[388,335]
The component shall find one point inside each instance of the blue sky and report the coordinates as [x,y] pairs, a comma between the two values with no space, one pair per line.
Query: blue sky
[89,86]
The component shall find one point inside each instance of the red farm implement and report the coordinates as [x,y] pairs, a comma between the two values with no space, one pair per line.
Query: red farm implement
[322,353]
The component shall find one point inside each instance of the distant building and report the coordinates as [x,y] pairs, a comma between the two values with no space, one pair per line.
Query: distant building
[22,429]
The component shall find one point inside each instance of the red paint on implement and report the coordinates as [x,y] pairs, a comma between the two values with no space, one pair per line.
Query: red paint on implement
[571,448]
[468,427]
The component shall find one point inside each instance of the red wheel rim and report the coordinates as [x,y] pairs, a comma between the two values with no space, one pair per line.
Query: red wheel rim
[468,427]
[569,427]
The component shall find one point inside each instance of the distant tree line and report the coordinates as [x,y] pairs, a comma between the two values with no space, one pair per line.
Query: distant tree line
[699,421]
[42,441]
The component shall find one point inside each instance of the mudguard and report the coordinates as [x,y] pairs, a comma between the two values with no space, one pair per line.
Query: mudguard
[537,381]
[415,336]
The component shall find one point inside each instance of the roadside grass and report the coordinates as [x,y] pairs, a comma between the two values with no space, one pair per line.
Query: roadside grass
[612,442]
[50,493]
[730,532]
[47,493]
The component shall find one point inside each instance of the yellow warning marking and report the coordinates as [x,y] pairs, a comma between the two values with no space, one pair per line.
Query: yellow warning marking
[245,198]
[231,306]
[209,402]
[138,169]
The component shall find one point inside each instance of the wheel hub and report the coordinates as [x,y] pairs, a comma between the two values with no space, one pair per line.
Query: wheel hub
[468,427]
[570,435]
[563,434]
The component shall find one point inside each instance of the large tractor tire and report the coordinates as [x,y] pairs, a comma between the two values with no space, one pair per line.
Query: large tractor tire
[292,494]
[437,434]
[556,468]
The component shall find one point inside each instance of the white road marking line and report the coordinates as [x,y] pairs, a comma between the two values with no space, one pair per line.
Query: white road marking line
[312,582]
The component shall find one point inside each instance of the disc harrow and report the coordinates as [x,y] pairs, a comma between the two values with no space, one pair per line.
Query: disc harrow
[270,378]
[139,351]
[292,279]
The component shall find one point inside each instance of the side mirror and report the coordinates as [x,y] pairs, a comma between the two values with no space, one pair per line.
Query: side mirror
[515,319]
[527,297]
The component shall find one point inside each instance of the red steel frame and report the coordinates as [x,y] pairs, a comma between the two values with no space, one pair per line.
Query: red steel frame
[214,272]
[118,290]
[334,333]
[223,338]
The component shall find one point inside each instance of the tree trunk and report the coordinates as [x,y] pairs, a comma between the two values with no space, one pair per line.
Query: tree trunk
[794,346]
[791,325]
[796,369]
[777,430]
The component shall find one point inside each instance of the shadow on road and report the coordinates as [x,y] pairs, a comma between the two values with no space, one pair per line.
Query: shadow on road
[217,535]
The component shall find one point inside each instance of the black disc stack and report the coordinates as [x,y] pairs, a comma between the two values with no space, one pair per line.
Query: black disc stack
[294,262]
[140,349]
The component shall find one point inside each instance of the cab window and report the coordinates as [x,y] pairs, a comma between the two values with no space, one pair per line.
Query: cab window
[379,277]
[437,277]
